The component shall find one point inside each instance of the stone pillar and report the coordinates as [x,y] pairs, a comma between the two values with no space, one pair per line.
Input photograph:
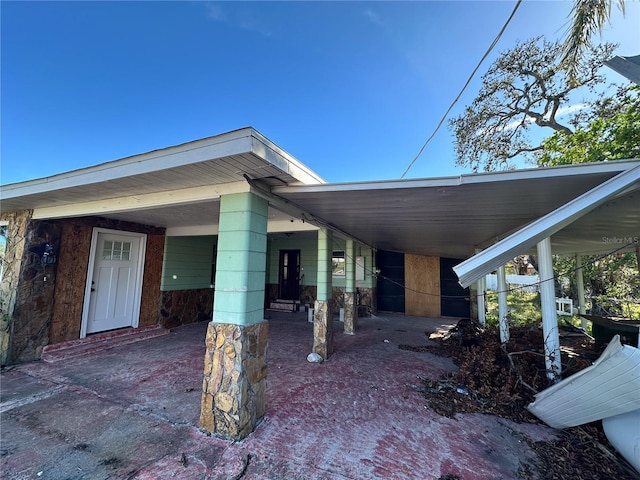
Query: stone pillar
[235,365]
[16,234]
[350,307]
[235,379]
[322,315]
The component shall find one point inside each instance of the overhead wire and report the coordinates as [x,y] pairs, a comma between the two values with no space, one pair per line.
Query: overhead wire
[508,290]
[444,117]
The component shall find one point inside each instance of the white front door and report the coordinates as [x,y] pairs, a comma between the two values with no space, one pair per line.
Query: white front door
[114,281]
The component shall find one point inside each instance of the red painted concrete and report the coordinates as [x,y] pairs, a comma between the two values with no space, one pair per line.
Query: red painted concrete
[131,412]
[100,341]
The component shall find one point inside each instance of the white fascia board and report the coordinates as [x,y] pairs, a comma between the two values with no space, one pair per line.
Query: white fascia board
[615,166]
[500,253]
[141,202]
[228,144]
[269,151]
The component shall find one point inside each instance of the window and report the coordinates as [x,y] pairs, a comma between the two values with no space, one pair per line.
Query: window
[337,261]
[116,250]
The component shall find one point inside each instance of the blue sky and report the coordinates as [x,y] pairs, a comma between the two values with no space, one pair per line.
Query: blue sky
[352,89]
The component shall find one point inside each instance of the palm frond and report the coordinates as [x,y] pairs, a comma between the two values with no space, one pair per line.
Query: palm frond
[587,18]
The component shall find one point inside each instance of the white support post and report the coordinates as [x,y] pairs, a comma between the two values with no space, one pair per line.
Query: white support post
[482,291]
[503,312]
[580,287]
[550,333]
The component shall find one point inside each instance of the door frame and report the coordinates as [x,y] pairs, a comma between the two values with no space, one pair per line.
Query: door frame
[142,238]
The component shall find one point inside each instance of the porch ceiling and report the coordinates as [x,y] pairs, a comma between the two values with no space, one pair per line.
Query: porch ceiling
[452,217]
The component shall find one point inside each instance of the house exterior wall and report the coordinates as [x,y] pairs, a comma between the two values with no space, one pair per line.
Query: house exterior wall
[181,307]
[15,241]
[188,297]
[34,293]
[49,298]
[309,272]
[150,296]
[73,261]
[73,264]
[187,287]
[188,262]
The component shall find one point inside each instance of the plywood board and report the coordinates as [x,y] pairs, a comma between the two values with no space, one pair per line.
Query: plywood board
[422,282]
[73,259]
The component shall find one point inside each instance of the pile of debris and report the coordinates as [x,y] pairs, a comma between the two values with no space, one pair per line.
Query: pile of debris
[502,380]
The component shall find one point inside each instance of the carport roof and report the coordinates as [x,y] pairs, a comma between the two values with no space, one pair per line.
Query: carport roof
[456,216]
[179,188]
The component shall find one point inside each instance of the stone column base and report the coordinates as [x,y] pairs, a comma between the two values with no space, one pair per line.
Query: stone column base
[322,329]
[350,313]
[235,379]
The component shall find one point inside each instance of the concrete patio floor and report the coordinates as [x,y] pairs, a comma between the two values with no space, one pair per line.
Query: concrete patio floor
[131,412]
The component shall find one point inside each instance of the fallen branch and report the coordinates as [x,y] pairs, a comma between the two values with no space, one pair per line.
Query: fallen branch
[516,370]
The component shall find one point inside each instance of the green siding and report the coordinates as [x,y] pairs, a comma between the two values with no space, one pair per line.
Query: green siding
[309,260]
[188,259]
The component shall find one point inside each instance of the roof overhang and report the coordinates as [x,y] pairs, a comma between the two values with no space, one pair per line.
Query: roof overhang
[203,164]
[457,216]
[179,188]
[620,193]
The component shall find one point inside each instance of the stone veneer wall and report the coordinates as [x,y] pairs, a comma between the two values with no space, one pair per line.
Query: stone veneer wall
[235,379]
[181,307]
[368,301]
[34,293]
[11,261]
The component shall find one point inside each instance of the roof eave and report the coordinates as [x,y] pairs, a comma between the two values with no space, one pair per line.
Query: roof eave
[501,252]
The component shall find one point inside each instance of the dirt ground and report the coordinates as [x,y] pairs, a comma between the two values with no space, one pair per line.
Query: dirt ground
[502,381]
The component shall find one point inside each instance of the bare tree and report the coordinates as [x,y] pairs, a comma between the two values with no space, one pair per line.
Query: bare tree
[525,87]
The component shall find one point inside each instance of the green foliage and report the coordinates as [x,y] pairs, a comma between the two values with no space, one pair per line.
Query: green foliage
[611,283]
[605,138]
[523,307]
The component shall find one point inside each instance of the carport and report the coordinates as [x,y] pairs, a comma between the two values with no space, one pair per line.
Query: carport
[242,187]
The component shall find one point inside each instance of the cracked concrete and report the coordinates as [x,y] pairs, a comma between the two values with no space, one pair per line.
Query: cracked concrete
[132,412]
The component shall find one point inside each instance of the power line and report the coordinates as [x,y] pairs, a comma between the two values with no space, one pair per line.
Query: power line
[444,117]
[508,290]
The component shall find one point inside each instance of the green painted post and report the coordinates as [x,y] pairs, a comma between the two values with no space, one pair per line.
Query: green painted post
[325,268]
[322,315]
[241,261]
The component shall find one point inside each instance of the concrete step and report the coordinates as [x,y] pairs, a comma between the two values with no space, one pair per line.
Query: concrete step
[100,341]
[285,305]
